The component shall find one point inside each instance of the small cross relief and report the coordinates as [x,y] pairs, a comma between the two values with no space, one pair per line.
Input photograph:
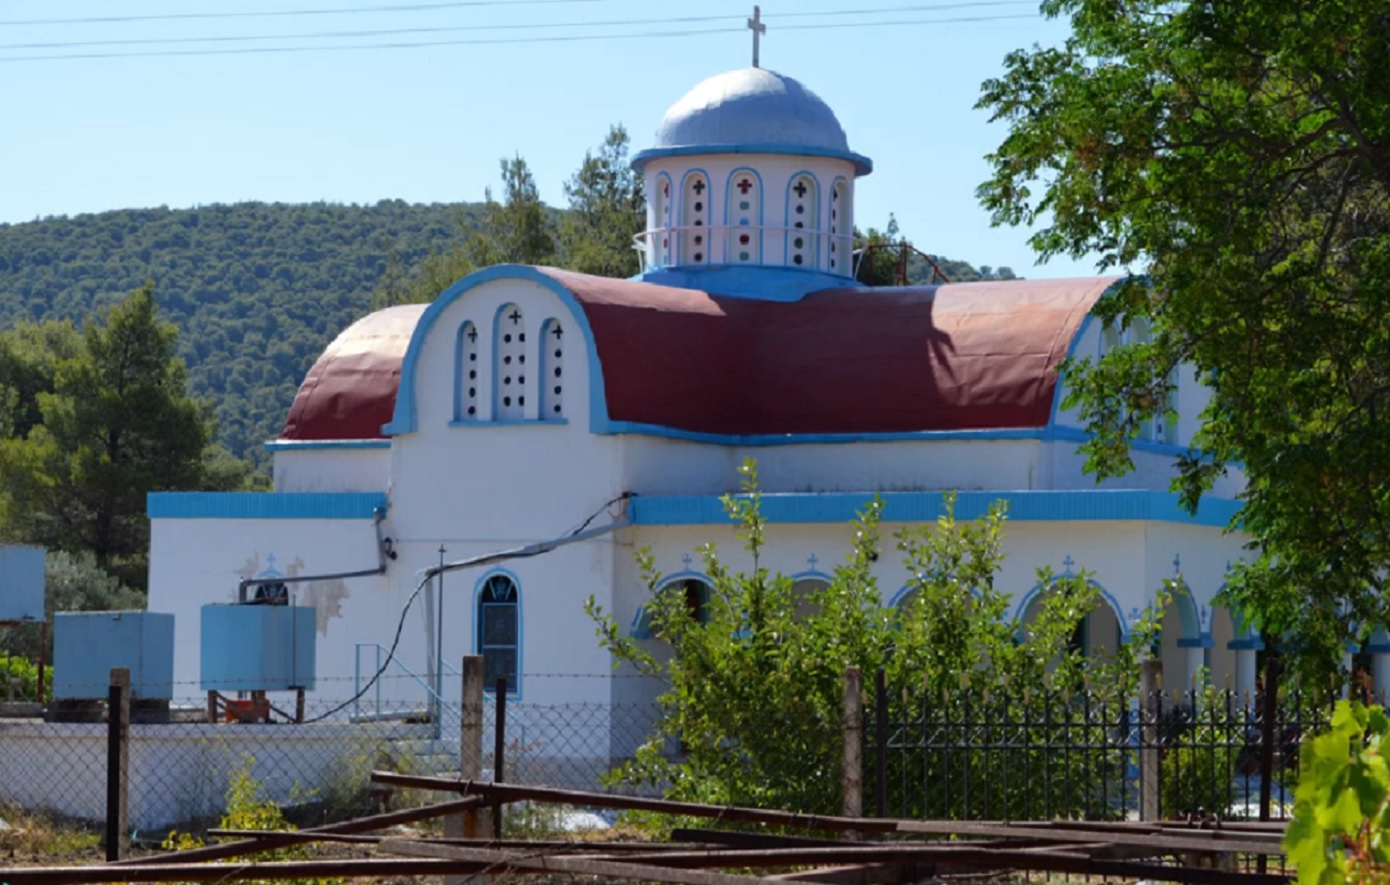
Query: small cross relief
[800,189]
[744,186]
[699,186]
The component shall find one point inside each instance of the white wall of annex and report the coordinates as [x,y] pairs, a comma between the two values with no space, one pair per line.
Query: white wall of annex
[318,469]
[196,562]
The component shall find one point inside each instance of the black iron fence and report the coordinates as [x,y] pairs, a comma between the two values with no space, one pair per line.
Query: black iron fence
[982,754]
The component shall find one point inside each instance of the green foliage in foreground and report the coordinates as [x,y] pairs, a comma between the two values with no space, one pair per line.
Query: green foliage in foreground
[755,676]
[1342,804]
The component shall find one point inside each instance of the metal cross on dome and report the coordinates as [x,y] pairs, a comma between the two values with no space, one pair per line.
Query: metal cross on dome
[755,24]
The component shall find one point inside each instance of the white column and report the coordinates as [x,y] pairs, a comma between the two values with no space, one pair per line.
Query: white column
[1196,659]
[1346,668]
[1380,671]
[1245,674]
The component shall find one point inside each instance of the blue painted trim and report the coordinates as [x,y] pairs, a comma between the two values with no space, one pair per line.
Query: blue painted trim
[405,419]
[1245,645]
[1203,641]
[1377,648]
[1189,620]
[511,422]
[512,694]
[1024,506]
[461,347]
[787,223]
[264,505]
[765,282]
[728,221]
[862,164]
[311,445]
[678,258]
[811,575]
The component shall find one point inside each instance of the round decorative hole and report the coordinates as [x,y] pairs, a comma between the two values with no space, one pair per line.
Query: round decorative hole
[521,359]
[743,239]
[521,379]
[506,401]
[798,225]
[798,243]
[699,256]
[699,223]
[507,380]
[743,256]
[796,259]
[832,262]
[557,354]
[507,339]
[557,408]
[743,204]
[557,371]
[699,207]
[521,401]
[472,391]
[521,337]
[472,374]
[699,240]
[557,390]
[508,359]
[800,209]
[472,410]
[473,357]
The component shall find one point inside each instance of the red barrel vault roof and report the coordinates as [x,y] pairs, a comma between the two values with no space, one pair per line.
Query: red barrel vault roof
[968,356]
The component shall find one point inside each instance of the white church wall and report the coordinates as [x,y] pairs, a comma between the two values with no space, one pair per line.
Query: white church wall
[332,467]
[774,179]
[195,562]
[494,480]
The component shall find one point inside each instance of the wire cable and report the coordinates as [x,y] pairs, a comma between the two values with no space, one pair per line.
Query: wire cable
[565,38]
[284,13]
[524,26]
[524,552]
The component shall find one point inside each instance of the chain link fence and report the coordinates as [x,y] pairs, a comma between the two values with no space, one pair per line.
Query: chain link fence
[314,758]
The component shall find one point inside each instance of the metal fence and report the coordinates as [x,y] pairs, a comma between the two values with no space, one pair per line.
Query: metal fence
[180,761]
[977,754]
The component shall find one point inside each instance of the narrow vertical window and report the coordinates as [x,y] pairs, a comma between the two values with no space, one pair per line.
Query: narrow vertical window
[466,380]
[695,198]
[661,221]
[552,371]
[743,218]
[499,631]
[509,365]
[840,244]
[803,221]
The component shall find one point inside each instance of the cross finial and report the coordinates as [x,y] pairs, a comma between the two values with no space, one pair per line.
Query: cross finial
[1177,563]
[812,560]
[755,24]
[1067,563]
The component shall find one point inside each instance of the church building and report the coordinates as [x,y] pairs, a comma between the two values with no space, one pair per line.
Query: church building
[524,401]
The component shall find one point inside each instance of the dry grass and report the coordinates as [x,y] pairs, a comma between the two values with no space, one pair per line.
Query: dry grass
[48,837]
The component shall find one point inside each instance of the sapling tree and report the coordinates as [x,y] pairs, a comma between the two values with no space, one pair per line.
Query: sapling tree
[752,706]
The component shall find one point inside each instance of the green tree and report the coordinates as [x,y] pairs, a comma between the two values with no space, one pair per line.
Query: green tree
[607,207]
[755,675]
[1239,155]
[29,358]
[118,424]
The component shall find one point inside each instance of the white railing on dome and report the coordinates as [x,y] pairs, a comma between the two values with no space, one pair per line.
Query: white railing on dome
[718,249]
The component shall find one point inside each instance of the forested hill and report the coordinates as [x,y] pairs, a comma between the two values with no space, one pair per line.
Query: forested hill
[257,290]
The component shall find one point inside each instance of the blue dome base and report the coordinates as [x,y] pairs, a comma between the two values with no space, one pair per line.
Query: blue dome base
[748,281]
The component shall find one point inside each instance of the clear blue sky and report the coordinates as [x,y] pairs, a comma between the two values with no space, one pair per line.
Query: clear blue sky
[429,123]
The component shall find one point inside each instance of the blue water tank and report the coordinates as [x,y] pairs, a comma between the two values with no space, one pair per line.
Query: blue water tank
[87,645]
[21,583]
[258,647]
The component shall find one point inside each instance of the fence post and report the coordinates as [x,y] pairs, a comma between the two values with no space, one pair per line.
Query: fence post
[469,825]
[1150,711]
[881,743]
[499,751]
[117,764]
[852,785]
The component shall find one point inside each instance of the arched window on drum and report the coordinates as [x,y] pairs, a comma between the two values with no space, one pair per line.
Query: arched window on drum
[695,214]
[803,221]
[743,218]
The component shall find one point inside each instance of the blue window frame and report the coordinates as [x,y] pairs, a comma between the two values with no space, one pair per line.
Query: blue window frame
[499,631]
